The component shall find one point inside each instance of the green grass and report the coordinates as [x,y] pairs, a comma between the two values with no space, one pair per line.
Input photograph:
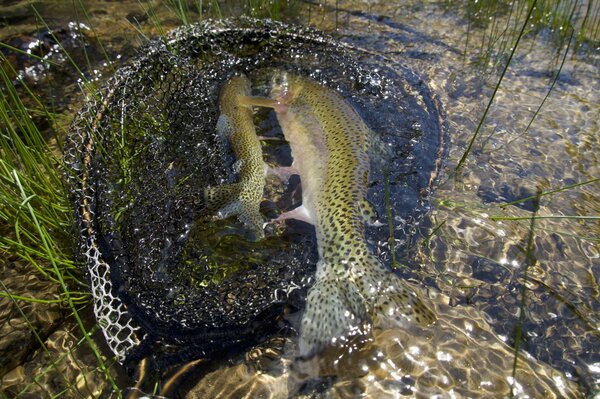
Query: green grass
[390,219]
[550,192]
[35,211]
[34,203]
[529,262]
[570,24]
[501,21]
[497,86]
[499,44]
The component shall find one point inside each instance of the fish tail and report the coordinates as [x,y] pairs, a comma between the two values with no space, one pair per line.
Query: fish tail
[227,200]
[340,305]
[391,300]
[335,309]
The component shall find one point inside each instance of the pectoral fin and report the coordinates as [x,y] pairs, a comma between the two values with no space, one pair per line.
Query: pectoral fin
[300,213]
[262,102]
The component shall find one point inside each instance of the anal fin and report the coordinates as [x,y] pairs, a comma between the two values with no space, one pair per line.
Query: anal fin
[300,213]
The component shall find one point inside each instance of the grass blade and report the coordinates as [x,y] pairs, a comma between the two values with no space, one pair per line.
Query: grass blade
[487,108]
[535,114]
[388,208]
[557,190]
[529,261]
[574,217]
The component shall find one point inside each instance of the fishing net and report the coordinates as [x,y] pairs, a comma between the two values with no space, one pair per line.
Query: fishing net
[167,281]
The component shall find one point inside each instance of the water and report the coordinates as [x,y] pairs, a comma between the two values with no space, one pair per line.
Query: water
[472,266]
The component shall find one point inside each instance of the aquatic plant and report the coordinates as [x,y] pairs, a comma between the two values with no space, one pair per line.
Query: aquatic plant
[491,100]
[561,20]
[35,213]
[529,261]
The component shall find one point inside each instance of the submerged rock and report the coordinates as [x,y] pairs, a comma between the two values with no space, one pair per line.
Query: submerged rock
[23,324]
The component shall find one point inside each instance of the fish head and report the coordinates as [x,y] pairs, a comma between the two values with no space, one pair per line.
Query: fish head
[284,86]
[279,82]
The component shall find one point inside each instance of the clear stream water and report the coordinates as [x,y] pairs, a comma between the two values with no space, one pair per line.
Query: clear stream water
[467,261]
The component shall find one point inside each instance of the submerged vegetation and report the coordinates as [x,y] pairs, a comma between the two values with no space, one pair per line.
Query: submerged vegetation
[36,215]
[34,203]
[570,25]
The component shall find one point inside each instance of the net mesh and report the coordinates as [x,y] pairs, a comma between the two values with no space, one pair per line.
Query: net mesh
[144,147]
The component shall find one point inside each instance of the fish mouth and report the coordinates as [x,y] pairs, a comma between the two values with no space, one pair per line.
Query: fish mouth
[272,80]
[280,83]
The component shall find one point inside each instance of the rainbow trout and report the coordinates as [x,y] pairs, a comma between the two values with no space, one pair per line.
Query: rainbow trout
[236,124]
[328,142]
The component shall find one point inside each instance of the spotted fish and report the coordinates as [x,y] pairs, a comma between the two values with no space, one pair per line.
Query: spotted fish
[328,140]
[236,125]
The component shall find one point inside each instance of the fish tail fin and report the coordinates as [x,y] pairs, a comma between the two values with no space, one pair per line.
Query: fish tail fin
[334,309]
[343,305]
[226,200]
[391,300]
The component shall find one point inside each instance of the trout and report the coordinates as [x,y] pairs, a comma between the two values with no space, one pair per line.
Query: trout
[237,126]
[328,141]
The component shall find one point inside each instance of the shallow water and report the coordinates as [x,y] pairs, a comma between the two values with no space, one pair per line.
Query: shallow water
[472,266]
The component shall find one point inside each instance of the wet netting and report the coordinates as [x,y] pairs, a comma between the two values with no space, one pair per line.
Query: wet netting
[165,279]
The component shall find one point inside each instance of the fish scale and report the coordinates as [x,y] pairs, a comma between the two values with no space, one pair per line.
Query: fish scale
[328,143]
[236,124]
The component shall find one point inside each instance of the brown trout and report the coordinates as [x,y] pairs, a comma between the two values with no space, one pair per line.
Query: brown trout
[329,149]
[236,124]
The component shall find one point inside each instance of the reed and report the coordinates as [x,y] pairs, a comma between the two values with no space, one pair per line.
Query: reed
[491,100]
[34,200]
[529,261]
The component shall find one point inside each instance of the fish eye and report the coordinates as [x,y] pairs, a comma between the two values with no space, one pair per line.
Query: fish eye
[280,80]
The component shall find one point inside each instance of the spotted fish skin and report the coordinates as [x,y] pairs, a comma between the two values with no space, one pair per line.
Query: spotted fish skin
[237,126]
[328,143]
